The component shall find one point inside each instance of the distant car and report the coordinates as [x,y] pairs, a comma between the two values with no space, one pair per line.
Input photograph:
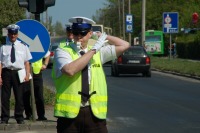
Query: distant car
[135,60]
[52,49]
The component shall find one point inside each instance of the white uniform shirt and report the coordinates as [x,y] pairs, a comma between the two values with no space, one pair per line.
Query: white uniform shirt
[47,54]
[62,58]
[22,54]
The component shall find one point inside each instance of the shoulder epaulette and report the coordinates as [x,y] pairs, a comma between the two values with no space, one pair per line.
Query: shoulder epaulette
[24,43]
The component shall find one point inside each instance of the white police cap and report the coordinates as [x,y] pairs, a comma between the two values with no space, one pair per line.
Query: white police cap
[13,28]
[80,20]
[81,23]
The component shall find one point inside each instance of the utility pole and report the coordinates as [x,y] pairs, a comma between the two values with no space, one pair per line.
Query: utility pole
[120,27]
[143,21]
[129,9]
[47,21]
[123,21]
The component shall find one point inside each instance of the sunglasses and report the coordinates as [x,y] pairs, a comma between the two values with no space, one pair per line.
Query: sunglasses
[13,33]
[82,33]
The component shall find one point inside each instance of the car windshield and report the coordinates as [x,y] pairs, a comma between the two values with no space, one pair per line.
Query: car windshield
[53,48]
[96,28]
[152,38]
[134,51]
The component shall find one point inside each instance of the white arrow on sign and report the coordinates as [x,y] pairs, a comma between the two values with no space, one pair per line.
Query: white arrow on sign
[35,45]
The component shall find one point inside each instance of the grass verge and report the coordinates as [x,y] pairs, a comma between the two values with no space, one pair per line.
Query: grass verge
[183,66]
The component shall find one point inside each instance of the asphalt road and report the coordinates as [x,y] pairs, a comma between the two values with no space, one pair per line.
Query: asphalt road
[161,104]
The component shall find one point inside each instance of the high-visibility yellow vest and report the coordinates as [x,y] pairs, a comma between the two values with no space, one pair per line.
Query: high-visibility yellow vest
[37,66]
[68,101]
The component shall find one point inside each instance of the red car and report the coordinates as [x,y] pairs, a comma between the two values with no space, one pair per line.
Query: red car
[52,49]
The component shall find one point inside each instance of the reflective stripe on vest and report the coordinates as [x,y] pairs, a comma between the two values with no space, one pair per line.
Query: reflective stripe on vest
[37,66]
[67,98]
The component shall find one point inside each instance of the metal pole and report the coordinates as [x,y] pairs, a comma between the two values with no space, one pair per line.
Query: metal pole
[123,21]
[129,9]
[32,96]
[120,27]
[170,46]
[143,21]
[37,17]
[47,21]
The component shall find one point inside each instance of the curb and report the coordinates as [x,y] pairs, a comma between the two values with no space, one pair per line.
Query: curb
[28,126]
[178,74]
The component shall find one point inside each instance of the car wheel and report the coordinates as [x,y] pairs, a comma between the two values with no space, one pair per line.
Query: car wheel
[117,74]
[143,74]
[112,71]
[148,74]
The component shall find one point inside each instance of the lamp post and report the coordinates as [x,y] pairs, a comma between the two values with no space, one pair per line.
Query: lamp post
[123,20]
[129,11]
[143,21]
[119,9]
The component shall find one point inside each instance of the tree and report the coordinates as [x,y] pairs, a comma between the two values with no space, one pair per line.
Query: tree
[10,12]
[154,12]
[59,30]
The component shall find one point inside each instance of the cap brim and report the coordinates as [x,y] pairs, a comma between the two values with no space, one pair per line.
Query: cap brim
[86,20]
[13,31]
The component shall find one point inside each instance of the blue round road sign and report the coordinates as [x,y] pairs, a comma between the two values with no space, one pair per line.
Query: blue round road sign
[36,36]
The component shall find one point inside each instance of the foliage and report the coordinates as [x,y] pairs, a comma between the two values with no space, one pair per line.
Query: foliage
[109,15]
[49,97]
[10,12]
[48,24]
[59,30]
[187,45]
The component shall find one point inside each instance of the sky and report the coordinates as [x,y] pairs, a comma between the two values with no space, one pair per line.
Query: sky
[65,9]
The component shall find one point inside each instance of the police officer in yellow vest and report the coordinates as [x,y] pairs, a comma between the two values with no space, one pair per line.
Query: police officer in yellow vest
[37,68]
[69,38]
[69,34]
[81,90]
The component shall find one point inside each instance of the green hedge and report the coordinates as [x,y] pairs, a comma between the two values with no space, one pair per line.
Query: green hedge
[188,46]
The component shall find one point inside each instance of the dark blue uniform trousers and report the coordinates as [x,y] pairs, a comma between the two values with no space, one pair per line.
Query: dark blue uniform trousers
[11,80]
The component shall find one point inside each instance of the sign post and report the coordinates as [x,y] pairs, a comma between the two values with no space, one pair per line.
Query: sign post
[36,36]
[129,25]
[170,25]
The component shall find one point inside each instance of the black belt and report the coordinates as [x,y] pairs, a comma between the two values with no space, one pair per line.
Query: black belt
[11,69]
[87,96]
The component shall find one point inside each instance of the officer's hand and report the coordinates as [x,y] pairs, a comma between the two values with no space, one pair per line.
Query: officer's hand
[26,79]
[100,42]
[1,82]
[43,67]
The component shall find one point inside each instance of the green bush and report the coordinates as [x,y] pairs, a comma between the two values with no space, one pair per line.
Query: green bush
[188,46]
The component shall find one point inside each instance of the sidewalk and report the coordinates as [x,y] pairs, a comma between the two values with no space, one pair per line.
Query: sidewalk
[48,126]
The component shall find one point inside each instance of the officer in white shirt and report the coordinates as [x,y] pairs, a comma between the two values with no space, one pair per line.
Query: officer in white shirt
[14,56]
